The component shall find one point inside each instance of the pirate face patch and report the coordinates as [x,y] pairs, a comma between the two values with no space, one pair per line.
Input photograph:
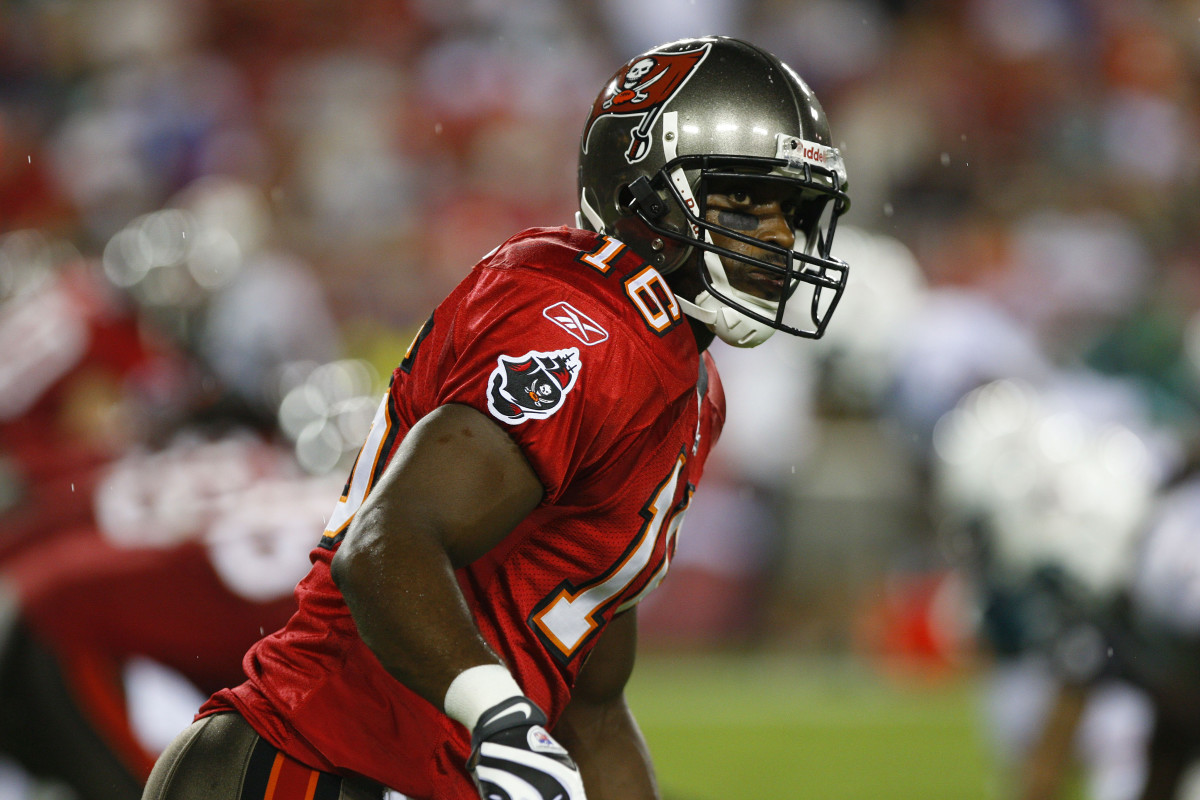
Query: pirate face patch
[532,386]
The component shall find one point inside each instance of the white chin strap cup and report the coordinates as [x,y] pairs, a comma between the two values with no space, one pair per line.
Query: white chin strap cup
[730,325]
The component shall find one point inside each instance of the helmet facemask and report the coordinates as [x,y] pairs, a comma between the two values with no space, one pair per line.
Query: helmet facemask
[810,278]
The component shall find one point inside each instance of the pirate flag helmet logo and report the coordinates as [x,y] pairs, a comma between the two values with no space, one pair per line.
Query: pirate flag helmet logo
[641,89]
[532,386]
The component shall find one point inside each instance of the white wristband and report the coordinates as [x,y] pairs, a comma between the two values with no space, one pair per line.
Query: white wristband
[477,689]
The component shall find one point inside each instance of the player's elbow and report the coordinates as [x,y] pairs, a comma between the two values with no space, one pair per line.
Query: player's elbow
[350,566]
[359,570]
[341,569]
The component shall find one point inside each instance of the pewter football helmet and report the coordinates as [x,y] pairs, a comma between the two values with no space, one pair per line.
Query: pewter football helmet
[672,120]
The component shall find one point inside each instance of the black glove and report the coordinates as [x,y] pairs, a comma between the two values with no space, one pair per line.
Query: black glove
[514,758]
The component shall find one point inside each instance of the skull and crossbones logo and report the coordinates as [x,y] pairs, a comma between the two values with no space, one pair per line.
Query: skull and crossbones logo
[633,90]
[637,71]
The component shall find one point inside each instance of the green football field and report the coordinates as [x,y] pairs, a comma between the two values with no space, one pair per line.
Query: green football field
[723,727]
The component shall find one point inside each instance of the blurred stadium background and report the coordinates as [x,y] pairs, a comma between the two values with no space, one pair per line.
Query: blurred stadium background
[950,551]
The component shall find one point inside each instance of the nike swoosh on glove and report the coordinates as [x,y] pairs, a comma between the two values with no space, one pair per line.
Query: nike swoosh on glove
[514,758]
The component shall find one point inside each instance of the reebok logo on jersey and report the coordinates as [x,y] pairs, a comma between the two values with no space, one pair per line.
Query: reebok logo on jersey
[575,322]
[532,386]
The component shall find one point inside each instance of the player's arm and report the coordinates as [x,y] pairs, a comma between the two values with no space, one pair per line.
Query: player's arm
[598,727]
[455,488]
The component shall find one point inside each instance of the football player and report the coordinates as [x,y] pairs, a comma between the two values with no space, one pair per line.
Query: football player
[1051,484]
[69,352]
[1155,634]
[115,549]
[469,621]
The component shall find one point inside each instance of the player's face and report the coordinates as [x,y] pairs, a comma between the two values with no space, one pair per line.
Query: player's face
[758,209]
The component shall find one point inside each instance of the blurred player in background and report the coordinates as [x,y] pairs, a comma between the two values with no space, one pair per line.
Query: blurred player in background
[170,526]
[71,348]
[527,473]
[1155,633]
[1052,486]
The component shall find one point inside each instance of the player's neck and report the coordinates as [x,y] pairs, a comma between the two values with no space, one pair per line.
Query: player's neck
[704,337]
[686,282]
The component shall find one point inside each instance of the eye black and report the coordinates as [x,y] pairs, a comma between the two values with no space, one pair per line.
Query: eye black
[737,220]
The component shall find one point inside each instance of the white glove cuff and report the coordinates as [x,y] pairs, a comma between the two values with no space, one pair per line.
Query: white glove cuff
[477,689]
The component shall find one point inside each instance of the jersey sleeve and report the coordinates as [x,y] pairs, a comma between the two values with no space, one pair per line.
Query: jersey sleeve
[549,365]
[714,399]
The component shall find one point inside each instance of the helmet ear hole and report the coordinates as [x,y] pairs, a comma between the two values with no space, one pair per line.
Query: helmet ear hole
[665,254]
[625,200]
[649,204]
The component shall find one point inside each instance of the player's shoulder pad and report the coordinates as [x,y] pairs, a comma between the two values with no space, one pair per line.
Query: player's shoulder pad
[593,283]
[575,256]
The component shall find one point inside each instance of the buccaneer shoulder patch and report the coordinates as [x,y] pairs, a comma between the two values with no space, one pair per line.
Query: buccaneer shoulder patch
[532,386]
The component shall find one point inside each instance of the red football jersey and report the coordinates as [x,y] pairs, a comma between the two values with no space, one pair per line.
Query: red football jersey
[578,349]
